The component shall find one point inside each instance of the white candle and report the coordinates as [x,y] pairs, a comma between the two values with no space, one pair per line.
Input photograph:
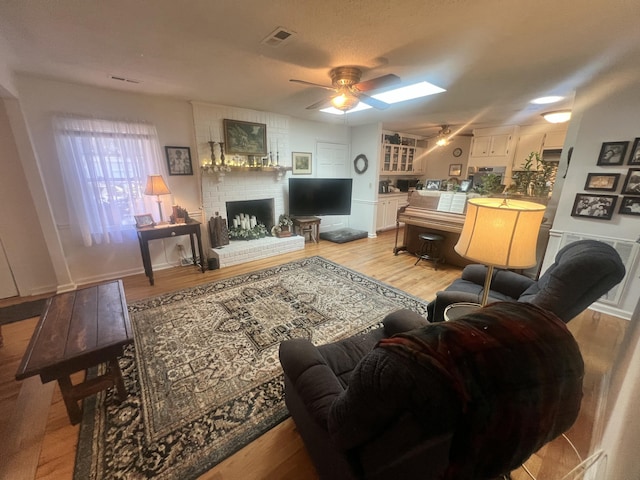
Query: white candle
[253,222]
[235,223]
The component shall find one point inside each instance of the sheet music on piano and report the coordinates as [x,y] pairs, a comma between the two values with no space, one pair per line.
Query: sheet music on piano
[452,202]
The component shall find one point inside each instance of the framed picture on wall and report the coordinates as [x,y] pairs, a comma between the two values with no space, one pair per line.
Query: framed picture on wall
[612,153]
[632,182]
[602,181]
[245,138]
[179,160]
[594,206]
[634,158]
[630,206]
[301,162]
[455,169]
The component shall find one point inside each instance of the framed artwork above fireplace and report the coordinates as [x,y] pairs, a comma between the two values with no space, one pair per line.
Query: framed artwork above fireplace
[245,138]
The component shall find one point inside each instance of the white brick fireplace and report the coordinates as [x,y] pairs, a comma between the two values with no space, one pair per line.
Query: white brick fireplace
[244,185]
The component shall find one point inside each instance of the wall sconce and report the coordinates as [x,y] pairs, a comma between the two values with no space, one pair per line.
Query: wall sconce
[558,116]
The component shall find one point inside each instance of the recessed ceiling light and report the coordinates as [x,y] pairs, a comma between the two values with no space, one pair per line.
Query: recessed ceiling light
[546,100]
[401,94]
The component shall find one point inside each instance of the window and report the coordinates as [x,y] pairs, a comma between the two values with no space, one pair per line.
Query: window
[105,165]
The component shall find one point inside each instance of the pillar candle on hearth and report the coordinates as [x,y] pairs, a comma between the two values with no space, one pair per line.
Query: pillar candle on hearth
[235,223]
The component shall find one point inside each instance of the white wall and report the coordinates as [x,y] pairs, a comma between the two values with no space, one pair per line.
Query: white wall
[615,116]
[40,99]
[436,160]
[365,140]
[20,229]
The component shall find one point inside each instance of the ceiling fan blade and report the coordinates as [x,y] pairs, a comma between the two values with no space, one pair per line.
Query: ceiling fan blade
[372,102]
[379,82]
[322,103]
[303,82]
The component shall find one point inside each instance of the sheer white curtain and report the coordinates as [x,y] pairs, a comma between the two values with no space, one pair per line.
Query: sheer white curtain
[105,165]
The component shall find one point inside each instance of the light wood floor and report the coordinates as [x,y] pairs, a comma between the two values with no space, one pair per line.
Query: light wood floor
[280,453]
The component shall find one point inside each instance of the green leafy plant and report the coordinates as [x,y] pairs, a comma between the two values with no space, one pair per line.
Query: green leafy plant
[491,183]
[535,178]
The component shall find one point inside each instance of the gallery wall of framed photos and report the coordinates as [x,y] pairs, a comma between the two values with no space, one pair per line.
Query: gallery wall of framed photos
[603,206]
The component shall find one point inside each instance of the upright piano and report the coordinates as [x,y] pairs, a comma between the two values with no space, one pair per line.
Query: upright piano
[422,215]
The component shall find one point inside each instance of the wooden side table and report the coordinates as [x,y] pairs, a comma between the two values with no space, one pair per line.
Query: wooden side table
[166,231]
[310,226]
[78,330]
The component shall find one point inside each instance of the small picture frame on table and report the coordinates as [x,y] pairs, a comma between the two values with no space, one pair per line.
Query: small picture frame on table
[432,184]
[612,153]
[144,220]
[600,207]
[301,162]
[602,181]
[179,160]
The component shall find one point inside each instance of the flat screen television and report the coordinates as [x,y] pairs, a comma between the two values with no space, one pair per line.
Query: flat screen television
[320,196]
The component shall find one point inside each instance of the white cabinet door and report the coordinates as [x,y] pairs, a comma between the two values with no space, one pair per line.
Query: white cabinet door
[480,146]
[526,144]
[500,145]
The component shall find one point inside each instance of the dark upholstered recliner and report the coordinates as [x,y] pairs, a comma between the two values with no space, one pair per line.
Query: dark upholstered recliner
[471,398]
[582,272]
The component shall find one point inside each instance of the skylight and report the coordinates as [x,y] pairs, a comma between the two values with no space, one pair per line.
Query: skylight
[402,94]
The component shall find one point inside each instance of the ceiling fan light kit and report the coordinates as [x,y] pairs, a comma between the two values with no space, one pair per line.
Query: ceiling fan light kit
[559,116]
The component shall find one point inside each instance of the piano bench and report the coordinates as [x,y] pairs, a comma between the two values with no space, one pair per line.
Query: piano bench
[431,248]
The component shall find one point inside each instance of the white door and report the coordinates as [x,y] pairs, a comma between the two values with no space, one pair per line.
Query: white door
[7,284]
[332,162]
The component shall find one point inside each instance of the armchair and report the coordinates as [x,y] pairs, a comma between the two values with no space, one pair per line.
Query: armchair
[582,272]
[379,407]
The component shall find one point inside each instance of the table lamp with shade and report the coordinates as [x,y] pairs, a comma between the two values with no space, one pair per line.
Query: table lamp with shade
[156,186]
[500,232]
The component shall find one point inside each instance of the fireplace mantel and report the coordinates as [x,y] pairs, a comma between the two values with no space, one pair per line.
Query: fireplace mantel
[221,171]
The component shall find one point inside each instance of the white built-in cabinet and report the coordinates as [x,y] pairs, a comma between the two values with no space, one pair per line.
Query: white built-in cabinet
[491,145]
[399,154]
[388,205]
[527,143]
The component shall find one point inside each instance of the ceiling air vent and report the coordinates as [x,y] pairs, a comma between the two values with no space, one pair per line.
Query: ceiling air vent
[278,37]
[123,79]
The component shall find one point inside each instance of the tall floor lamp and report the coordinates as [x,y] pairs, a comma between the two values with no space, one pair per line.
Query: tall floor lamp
[156,186]
[500,232]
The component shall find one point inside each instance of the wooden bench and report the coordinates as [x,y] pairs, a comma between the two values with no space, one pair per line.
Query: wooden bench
[78,330]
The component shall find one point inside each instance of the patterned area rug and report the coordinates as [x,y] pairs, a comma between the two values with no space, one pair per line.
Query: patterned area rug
[204,378]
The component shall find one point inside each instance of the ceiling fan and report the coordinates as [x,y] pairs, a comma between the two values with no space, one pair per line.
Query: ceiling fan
[443,136]
[349,90]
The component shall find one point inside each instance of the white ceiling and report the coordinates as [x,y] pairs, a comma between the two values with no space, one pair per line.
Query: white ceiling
[491,56]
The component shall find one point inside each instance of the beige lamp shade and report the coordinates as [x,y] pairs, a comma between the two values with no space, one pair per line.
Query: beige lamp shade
[501,232]
[156,186]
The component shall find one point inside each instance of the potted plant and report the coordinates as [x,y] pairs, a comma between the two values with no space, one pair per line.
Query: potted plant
[535,178]
[283,227]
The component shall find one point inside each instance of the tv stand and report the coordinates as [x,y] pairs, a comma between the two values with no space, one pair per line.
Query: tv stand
[304,226]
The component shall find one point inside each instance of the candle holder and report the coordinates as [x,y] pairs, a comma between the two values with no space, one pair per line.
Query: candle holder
[213,155]
[221,152]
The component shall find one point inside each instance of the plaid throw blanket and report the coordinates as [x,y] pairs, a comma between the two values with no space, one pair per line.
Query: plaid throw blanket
[518,373]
